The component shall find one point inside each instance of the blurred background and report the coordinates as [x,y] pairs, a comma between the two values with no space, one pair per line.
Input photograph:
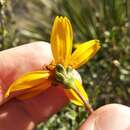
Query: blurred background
[107,76]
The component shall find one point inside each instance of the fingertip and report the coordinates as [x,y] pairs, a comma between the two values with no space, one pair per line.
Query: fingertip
[108,117]
[23,59]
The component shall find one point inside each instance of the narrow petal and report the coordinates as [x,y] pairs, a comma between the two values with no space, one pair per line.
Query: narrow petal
[61,40]
[73,97]
[27,81]
[35,90]
[84,52]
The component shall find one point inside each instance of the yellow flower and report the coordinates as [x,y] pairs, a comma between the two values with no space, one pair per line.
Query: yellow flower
[61,45]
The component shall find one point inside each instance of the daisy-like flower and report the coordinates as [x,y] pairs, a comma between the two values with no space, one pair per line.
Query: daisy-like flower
[62,69]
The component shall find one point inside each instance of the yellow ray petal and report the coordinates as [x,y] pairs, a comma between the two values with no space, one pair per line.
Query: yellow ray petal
[76,45]
[73,97]
[27,81]
[61,40]
[35,90]
[84,52]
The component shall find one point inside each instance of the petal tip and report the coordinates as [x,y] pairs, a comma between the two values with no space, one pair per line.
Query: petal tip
[97,44]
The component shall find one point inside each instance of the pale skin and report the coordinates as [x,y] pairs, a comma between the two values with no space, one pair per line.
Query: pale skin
[24,115]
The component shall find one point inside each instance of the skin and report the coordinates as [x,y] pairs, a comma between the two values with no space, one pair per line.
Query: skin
[19,60]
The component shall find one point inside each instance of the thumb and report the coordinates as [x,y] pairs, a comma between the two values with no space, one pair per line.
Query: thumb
[109,117]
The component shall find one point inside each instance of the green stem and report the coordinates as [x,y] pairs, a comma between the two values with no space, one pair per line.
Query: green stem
[86,103]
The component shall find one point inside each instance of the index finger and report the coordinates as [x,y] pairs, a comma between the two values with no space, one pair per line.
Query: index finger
[16,61]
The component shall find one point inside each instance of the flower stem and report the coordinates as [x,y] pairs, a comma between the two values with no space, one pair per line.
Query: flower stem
[86,102]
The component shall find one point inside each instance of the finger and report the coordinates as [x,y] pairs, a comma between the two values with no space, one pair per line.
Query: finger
[109,117]
[28,58]
[30,112]
[14,112]
[19,60]
[46,104]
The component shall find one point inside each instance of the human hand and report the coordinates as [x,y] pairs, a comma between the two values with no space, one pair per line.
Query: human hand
[17,61]
[13,63]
